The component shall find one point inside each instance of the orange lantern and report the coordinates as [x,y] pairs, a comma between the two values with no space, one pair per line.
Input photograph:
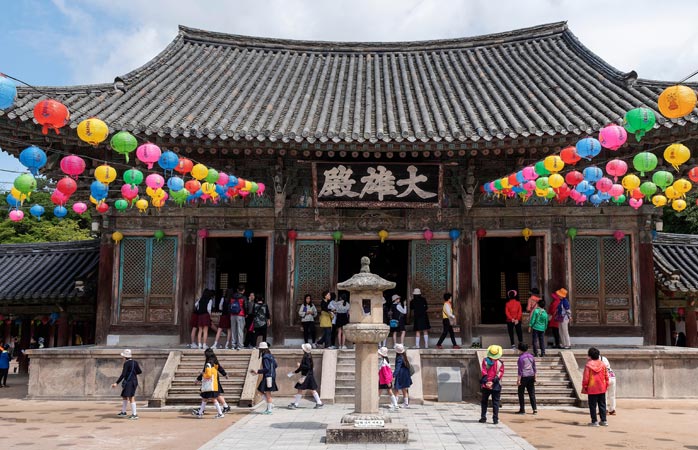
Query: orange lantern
[51,114]
[676,101]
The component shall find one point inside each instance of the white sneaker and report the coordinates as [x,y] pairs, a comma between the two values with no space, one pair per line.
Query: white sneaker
[193,345]
[219,416]
[201,346]
[215,346]
[343,347]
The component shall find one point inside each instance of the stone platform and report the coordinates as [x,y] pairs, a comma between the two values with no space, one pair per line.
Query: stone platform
[390,433]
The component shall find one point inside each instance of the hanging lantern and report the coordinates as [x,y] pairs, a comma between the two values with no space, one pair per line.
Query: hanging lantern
[671,193]
[261,187]
[51,115]
[529,173]
[569,155]
[616,168]
[37,211]
[592,174]
[121,204]
[604,185]
[553,163]
[648,188]
[102,207]
[93,131]
[526,233]
[682,186]
[60,211]
[105,174]
[676,154]
[142,205]
[337,236]
[148,154]
[67,185]
[540,169]
[428,235]
[292,235]
[639,121]
[154,181]
[59,198]
[99,190]
[572,233]
[574,177]
[619,200]
[25,183]
[212,175]
[158,235]
[588,148]
[8,92]
[480,233]
[678,205]
[202,233]
[129,192]
[556,180]
[123,143]
[630,182]
[248,235]
[33,158]
[663,179]
[117,236]
[542,183]
[199,172]
[16,215]
[168,160]
[676,101]
[693,174]
[618,235]
[184,166]
[635,203]
[383,235]
[79,208]
[73,165]
[612,137]
[454,234]
[175,184]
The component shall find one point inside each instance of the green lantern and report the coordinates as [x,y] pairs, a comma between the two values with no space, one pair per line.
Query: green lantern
[645,162]
[498,185]
[663,179]
[158,235]
[133,177]
[572,233]
[121,204]
[212,176]
[542,183]
[540,169]
[648,188]
[179,197]
[25,183]
[124,143]
[254,188]
[337,236]
[639,121]
[551,194]
[620,199]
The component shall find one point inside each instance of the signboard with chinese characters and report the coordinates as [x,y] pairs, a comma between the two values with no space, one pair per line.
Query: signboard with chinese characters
[351,185]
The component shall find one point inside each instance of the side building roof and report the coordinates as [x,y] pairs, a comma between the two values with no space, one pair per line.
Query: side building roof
[538,81]
[676,261]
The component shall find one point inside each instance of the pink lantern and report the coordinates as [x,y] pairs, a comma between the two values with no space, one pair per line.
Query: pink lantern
[58,198]
[529,173]
[618,235]
[612,137]
[244,194]
[574,177]
[203,233]
[148,153]
[635,203]
[154,181]
[79,207]
[16,215]
[530,186]
[616,168]
[616,190]
[260,189]
[223,179]
[428,235]
[129,192]
[72,165]
[604,184]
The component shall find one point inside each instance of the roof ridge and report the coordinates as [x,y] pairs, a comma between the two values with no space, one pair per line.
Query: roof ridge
[215,37]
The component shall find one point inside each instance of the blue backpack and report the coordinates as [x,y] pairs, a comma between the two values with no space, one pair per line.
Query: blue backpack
[235,307]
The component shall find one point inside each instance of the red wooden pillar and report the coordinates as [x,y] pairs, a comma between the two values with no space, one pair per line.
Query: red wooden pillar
[466,303]
[279,288]
[63,331]
[691,328]
[188,284]
[558,269]
[104,291]
[648,301]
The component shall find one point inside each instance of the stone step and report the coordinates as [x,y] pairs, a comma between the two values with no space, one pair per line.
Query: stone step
[195,390]
[544,390]
[542,400]
[224,383]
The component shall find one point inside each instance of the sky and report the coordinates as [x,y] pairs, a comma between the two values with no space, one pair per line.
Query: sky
[69,42]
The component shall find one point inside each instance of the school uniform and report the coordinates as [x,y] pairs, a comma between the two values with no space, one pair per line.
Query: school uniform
[210,372]
[129,377]
[306,371]
[403,379]
[268,369]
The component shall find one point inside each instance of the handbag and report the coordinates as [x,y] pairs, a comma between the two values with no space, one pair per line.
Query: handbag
[411,370]
[269,382]
[126,380]
[394,323]
[207,384]
[301,380]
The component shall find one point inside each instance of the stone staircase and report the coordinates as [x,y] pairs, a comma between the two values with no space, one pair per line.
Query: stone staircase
[183,390]
[553,387]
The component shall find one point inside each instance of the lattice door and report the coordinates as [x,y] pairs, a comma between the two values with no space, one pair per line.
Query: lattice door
[313,271]
[430,271]
[163,276]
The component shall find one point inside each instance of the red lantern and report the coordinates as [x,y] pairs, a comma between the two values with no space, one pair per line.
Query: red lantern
[569,155]
[574,177]
[203,233]
[192,186]
[681,311]
[693,174]
[102,207]
[637,194]
[292,235]
[184,166]
[58,198]
[618,235]
[428,235]
[481,233]
[67,185]
[44,320]
[51,114]
[512,180]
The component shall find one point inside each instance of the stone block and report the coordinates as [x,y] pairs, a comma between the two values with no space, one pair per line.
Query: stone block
[391,433]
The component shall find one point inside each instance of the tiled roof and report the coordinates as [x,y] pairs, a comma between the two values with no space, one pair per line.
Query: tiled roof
[676,254]
[46,270]
[538,81]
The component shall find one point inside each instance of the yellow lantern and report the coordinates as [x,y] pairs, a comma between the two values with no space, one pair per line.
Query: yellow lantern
[676,101]
[556,180]
[527,233]
[630,182]
[208,188]
[659,201]
[541,192]
[678,205]
[93,200]
[553,163]
[682,186]
[93,131]
[158,202]
[117,236]
[671,193]
[18,195]
[677,154]
[505,183]
[199,172]
[142,205]
[248,186]
[383,235]
[105,174]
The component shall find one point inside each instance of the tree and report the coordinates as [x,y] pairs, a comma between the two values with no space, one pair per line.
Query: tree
[686,221]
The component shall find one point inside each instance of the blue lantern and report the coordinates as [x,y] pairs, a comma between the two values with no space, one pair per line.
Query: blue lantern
[99,190]
[60,211]
[454,234]
[588,147]
[168,160]
[248,235]
[33,158]
[37,211]
[595,200]
[13,202]
[585,188]
[232,181]
[175,183]
[520,177]
[488,188]
[8,92]
[221,190]
[592,174]
[605,196]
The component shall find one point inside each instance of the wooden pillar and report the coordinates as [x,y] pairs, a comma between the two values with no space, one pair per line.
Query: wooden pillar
[104,291]
[691,331]
[558,269]
[279,288]
[467,300]
[63,331]
[648,302]
[188,284]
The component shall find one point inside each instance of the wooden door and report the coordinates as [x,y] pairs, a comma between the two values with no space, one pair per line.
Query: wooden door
[314,272]
[430,271]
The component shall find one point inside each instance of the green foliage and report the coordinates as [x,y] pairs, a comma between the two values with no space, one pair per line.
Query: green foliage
[49,229]
[685,222]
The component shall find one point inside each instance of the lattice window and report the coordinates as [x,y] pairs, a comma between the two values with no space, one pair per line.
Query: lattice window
[133,269]
[314,271]
[164,263]
[431,272]
[616,256]
[586,265]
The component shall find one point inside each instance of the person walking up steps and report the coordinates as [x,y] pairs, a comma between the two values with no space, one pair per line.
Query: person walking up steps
[537,326]
[595,384]
[490,383]
[385,377]
[307,380]
[268,371]
[449,319]
[514,314]
[402,375]
[553,324]
[526,378]
[420,315]
[129,384]
[611,391]
[209,389]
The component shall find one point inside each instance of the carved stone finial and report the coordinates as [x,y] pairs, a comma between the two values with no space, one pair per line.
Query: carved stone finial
[365,261]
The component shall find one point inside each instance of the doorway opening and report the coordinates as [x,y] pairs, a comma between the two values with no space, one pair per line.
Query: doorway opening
[233,261]
[506,263]
[389,260]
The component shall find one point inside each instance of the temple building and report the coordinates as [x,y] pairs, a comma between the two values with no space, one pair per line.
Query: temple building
[368,149]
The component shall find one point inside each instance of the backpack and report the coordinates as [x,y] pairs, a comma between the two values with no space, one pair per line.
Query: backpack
[235,307]
[561,312]
[260,316]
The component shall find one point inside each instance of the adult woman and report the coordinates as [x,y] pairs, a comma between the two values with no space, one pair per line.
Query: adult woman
[209,389]
[261,320]
[553,324]
[402,376]
[564,316]
[5,359]
[448,320]
[397,319]
[419,308]
[385,376]
[308,312]
[268,370]
[342,307]
[490,383]
[307,381]
[129,384]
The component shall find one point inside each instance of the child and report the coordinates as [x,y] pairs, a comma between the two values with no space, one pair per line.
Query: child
[202,307]
[307,312]
[397,320]
[611,392]
[209,389]
[5,359]
[224,321]
[595,384]
[536,326]
[512,309]
[129,384]
[385,376]
[526,378]
[326,320]
[211,356]
[492,373]
[402,375]
[268,383]
[307,381]
[448,320]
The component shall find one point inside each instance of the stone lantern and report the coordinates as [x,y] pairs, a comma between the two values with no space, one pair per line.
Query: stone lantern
[366,329]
